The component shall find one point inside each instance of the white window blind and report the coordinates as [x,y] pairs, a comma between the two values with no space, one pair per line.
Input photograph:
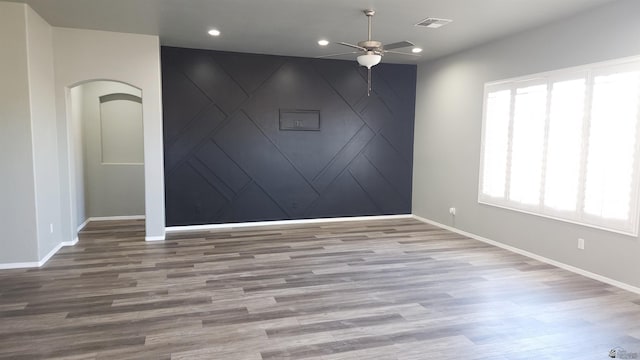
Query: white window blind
[564,144]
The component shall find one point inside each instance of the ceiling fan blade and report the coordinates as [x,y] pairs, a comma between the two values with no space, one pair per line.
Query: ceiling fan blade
[401,53]
[353,46]
[330,55]
[398,45]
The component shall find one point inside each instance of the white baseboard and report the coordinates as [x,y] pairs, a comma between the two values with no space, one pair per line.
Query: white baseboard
[112,218]
[83,225]
[50,254]
[172,229]
[71,243]
[20,265]
[531,255]
[37,264]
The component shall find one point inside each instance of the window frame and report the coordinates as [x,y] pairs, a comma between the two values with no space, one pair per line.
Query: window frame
[589,72]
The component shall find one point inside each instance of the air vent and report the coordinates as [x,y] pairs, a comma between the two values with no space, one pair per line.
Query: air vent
[433,23]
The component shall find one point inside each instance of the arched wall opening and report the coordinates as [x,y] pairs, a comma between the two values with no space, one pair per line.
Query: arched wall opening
[107,150]
[85,55]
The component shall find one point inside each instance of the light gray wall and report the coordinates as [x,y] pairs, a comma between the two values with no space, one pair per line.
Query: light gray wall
[38,66]
[43,121]
[84,55]
[110,189]
[18,242]
[79,211]
[448,126]
[121,130]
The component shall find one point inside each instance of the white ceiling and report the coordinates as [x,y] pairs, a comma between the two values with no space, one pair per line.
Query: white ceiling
[292,27]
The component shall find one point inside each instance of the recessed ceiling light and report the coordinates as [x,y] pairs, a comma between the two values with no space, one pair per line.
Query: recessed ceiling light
[416,50]
[323,42]
[214,32]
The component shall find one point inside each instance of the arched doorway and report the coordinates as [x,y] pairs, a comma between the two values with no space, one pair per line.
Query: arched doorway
[108,150]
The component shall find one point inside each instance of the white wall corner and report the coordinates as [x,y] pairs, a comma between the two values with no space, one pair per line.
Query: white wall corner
[71,243]
[50,254]
[81,226]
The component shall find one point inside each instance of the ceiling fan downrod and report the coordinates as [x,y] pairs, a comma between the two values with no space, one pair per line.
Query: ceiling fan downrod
[369,14]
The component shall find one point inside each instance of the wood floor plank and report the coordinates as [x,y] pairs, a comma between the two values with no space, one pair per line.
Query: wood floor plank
[385,289]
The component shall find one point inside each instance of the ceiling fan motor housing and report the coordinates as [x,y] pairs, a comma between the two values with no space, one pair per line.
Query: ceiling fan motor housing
[372,50]
[371,45]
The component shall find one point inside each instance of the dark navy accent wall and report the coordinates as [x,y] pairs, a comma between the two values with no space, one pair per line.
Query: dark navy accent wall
[257,137]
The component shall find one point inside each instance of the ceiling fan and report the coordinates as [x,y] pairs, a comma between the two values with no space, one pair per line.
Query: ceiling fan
[372,50]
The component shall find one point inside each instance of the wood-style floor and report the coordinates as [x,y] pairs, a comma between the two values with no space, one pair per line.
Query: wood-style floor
[396,289]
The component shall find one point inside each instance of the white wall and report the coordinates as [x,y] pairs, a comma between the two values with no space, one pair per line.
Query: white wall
[30,205]
[78,214]
[82,55]
[43,125]
[121,130]
[18,242]
[448,126]
[110,189]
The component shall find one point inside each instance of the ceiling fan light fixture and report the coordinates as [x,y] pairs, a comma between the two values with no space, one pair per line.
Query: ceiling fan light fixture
[369,59]
[416,50]
[214,32]
[323,42]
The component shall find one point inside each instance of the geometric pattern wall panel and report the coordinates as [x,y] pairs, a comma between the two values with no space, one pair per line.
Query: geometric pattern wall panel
[228,157]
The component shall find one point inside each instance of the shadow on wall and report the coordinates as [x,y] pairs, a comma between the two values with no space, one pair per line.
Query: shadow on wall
[108,157]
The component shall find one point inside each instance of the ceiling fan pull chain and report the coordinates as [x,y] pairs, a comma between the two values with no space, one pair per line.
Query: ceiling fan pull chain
[369,82]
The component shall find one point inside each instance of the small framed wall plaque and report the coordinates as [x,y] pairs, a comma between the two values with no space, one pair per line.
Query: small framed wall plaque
[299,120]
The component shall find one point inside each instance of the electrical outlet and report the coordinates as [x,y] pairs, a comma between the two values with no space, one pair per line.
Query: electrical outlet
[581,243]
[51,228]
[452,211]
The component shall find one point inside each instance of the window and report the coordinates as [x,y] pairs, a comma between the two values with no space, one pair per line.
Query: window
[564,144]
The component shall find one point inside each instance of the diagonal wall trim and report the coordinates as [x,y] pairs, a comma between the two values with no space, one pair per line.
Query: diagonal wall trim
[302,173]
[275,145]
[363,189]
[353,143]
